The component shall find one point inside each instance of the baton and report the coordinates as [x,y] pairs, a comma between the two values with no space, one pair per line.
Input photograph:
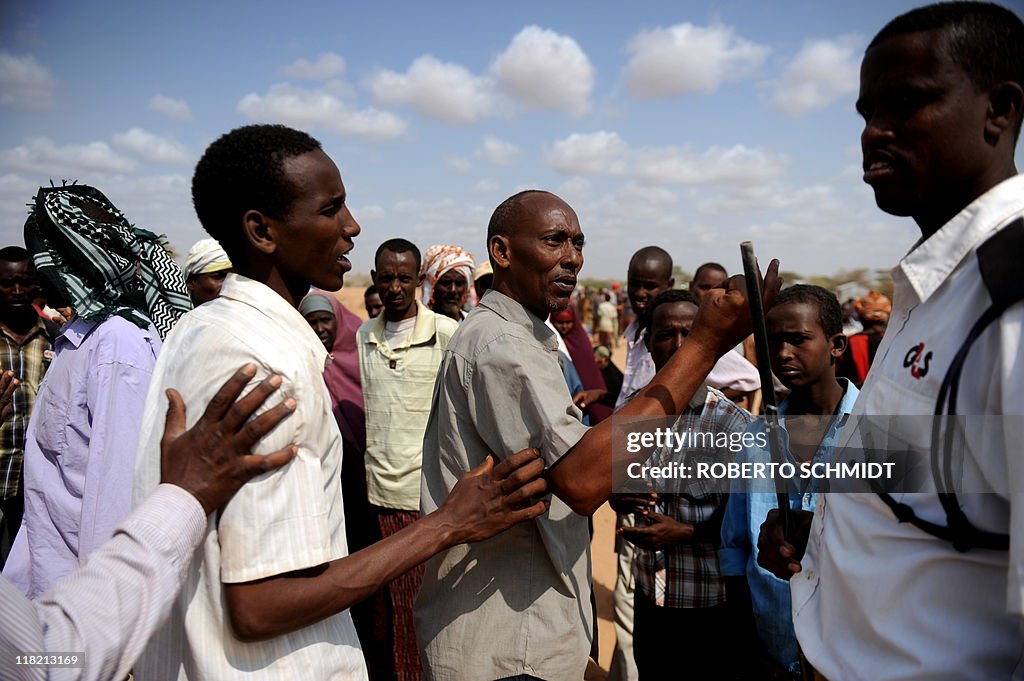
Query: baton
[752,274]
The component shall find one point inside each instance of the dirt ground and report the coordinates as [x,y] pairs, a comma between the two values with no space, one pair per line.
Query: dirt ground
[602,546]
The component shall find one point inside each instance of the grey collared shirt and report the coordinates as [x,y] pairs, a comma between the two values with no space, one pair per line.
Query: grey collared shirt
[518,603]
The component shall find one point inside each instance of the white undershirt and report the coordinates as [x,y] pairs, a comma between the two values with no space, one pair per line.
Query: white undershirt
[395,333]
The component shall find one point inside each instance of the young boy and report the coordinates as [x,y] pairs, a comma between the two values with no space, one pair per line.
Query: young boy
[805,334]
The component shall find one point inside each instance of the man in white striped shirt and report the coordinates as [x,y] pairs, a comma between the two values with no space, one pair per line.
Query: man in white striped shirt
[268,592]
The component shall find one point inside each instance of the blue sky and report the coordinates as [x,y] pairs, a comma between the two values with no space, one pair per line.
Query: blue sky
[689,125]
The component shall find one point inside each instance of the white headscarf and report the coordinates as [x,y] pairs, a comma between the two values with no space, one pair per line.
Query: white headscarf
[206,256]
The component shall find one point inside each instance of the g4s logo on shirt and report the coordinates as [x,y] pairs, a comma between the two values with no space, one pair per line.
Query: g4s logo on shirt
[917,360]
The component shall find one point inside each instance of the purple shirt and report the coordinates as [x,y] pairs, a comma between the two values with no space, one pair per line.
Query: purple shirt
[80,448]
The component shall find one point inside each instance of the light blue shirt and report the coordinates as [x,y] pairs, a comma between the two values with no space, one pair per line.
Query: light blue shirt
[80,448]
[744,514]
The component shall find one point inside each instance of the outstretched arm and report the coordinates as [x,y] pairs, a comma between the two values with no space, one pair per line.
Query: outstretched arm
[583,476]
[487,500]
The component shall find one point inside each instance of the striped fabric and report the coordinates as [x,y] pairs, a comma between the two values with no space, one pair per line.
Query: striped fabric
[88,251]
[28,360]
[286,520]
[110,607]
[403,593]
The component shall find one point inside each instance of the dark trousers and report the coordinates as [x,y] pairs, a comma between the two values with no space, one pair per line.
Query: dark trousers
[694,641]
[11,511]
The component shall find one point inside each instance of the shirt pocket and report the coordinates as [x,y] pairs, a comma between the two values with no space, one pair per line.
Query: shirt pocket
[51,417]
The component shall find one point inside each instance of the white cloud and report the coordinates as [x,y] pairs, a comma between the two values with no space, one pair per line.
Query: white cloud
[25,83]
[327,65]
[685,58]
[499,152]
[821,73]
[575,190]
[716,165]
[370,212]
[606,153]
[545,70]
[461,224]
[177,109]
[767,197]
[445,91]
[646,194]
[42,156]
[459,164]
[285,103]
[152,148]
[486,186]
[589,154]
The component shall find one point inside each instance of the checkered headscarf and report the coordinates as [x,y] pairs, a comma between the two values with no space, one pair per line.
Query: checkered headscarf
[85,249]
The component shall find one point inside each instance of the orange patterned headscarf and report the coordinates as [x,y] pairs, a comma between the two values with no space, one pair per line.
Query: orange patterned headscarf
[441,258]
[874,307]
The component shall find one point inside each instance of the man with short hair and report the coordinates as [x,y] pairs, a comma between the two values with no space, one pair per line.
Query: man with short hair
[649,273]
[399,353]
[268,593]
[205,269]
[127,293]
[26,348]
[708,276]
[941,94]
[519,605]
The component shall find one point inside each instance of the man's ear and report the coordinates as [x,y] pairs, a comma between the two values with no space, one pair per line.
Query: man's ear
[259,231]
[373,277]
[838,343]
[671,283]
[499,250]
[419,281]
[1004,111]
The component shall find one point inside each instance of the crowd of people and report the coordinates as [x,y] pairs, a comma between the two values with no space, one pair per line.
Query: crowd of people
[221,472]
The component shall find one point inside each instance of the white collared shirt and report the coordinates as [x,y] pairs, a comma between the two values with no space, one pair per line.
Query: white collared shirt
[639,365]
[878,599]
[282,521]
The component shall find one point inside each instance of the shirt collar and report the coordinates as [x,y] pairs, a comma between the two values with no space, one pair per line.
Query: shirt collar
[513,311]
[287,319]
[846,403]
[423,331]
[37,328]
[931,261]
[76,331]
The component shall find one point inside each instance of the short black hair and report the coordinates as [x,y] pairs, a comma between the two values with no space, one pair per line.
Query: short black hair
[370,291]
[830,314]
[674,295]
[709,266]
[984,39]
[657,254]
[399,245]
[504,216]
[243,170]
[14,254]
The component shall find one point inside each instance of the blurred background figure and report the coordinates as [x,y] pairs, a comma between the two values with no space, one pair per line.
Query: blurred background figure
[205,268]
[447,271]
[482,278]
[372,302]
[873,312]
